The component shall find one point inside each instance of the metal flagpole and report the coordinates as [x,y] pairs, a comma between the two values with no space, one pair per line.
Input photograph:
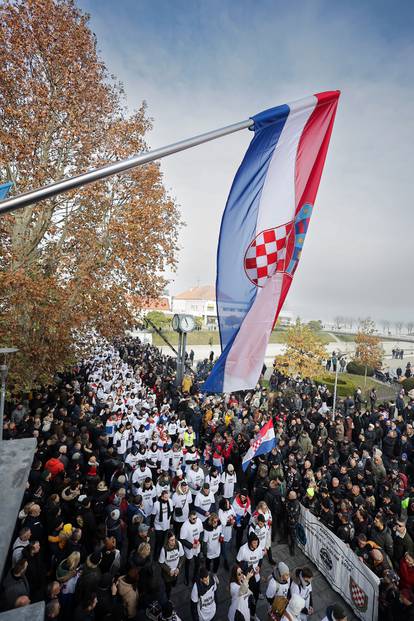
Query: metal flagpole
[64,185]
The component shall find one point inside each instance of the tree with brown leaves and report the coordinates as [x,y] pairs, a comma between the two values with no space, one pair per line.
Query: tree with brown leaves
[68,264]
[304,353]
[369,351]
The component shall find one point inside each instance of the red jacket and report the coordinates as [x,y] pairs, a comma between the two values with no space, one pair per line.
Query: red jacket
[406,575]
[54,466]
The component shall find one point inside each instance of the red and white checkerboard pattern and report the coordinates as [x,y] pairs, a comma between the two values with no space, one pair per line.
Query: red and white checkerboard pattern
[255,445]
[266,254]
[359,597]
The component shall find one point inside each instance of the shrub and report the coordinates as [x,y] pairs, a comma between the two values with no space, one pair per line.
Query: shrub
[408,384]
[345,386]
[356,368]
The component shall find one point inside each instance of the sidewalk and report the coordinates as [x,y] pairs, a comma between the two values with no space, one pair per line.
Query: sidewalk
[323,595]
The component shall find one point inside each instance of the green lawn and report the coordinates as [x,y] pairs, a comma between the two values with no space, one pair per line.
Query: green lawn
[348,383]
[346,338]
[203,337]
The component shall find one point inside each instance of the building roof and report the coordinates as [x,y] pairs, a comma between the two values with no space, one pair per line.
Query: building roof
[150,304]
[205,292]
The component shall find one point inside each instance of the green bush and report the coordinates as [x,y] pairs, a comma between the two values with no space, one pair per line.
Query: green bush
[356,368]
[408,384]
[345,386]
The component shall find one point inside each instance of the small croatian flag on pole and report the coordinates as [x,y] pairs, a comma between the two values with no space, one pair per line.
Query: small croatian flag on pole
[264,442]
[263,230]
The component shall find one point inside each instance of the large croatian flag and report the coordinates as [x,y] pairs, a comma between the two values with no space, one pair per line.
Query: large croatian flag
[263,230]
[263,443]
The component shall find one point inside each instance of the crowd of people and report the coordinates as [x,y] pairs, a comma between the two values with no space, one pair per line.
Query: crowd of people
[138,484]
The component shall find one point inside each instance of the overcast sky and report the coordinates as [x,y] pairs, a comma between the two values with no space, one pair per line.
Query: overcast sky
[205,64]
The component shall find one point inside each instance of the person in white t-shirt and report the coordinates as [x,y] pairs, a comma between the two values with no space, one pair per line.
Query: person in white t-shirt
[213,538]
[228,481]
[149,495]
[181,501]
[139,475]
[204,502]
[190,536]
[204,597]
[171,560]
[250,556]
[195,478]
[161,520]
[239,591]
[279,583]
[227,519]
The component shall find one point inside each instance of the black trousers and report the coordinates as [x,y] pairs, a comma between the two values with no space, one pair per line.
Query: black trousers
[239,537]
[291,537]
[213,561]
[196,568]
[159,542]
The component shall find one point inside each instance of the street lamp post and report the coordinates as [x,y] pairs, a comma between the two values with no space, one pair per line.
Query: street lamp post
[4,369]
[339,358]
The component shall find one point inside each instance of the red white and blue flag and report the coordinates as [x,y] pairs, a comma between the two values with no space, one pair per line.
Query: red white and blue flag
[263,230]
[264,442]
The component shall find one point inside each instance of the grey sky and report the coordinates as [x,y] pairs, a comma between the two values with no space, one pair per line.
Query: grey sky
[202,65]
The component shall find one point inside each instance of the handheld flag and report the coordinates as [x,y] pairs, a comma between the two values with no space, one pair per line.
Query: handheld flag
[263,230]
[264,443]
[4,189]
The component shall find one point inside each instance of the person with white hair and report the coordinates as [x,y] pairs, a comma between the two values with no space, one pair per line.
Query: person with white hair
[228,481]
[293,609]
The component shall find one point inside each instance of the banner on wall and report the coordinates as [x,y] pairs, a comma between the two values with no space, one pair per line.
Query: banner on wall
[345,572]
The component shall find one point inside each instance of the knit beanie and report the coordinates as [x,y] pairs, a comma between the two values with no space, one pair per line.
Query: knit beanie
[282,568]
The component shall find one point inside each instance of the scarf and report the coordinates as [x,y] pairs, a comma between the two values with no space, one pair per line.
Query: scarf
[160,518]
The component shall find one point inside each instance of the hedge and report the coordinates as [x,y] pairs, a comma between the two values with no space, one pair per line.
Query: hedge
[408,384]
[345,387]
[356,368]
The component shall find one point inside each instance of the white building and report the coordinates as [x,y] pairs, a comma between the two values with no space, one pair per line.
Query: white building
[201,302]
[197,301]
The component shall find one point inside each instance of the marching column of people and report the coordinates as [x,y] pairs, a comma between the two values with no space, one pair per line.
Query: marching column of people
[137,486]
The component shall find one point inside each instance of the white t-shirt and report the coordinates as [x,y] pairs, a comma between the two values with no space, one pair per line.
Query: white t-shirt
[303,591]
[229,481]
[206,604]
[214,483]
[165,522]
[277,588]
[239,601]
[192,533]
[172,557]
[139,476]
[195,480]
[181,501]
[262,534]
[251,557]
[148,498]
[227,528]
[212,541]
[203,502]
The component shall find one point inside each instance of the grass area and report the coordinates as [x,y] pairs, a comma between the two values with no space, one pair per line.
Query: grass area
[350,338]
[346,338]
[348,383]
[205,337]
[198,337]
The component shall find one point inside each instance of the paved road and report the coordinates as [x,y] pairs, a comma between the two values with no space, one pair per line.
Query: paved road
[323,595]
